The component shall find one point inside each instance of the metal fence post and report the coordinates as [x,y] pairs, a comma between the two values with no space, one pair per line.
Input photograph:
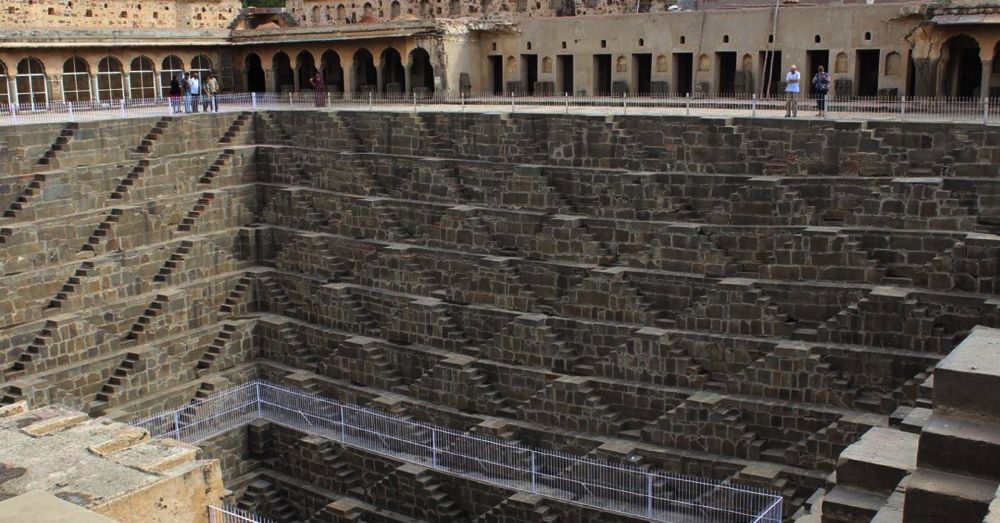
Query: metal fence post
[534,474]
[511,102]
[566,102]
[461,96]
[371,102]
[13,112]
[753,105]
[687,104]
[260,406]
[71,116]
[177,424]
[649,496]
[122,104]
[343,425]
[986,109]
[624,103]
[414,101]
[434,449]
[253,101]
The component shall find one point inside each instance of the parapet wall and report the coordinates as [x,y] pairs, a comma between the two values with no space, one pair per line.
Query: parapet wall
[119,14]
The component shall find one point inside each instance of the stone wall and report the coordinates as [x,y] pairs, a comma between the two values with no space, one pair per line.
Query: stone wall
[90,14]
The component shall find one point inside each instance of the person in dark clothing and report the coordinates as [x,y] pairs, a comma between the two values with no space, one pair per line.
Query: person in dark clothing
[821,85]
[318,89]
[175,94]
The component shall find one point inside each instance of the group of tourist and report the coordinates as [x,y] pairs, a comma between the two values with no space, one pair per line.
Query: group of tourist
[192,91]
[821,87]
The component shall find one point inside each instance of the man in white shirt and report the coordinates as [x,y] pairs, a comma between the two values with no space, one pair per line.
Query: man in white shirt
[195,90]
[792,92]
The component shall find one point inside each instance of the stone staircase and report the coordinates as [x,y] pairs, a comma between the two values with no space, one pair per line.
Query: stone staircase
[232,302]
[115,383]
[24,362]
[29,193]
[149,141]
[282,137]
[302,354]
[129,180]
[140,330]
[235,128]
[49,159]
[261,497]
[205,390]
[201,206]
[175,262]
[104,231]
[72,285]
[213,170]
[215,350]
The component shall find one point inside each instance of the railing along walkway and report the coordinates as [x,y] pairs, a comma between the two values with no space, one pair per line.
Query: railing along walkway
[581,480]
[972,110]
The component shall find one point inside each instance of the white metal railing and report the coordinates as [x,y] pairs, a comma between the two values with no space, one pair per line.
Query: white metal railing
[231,514]
[583,480]
[983,110]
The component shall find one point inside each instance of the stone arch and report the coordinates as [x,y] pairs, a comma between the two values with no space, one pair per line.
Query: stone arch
[110,79]
[421,72]
[201,66]
[284,77]
[662,63]
[547,64]
[393,72]
[747,64]
[893,64]
[621,64]
[961,66]
[305,68]
[316,20]
[171,66]
[256,79]
[4,86]
[141,78]
[364,73]
[704,63]
[840,63]
[75,80]
[394,9]
[333,72]
[426,10]
[341,13]
[455,8]
[30,82]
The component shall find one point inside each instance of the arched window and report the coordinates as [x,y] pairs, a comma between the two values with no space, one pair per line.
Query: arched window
[341,13]
[76,80]
[171,67]
[394,9]
[4,93]
[110,81]
[316,20]
[201,66]
[141,79]
[30,83]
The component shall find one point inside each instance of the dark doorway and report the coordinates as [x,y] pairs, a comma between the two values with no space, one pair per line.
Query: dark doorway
[307,68]
[529,72]
[970,73]
[963,69]
[496,74]
[642,73]
[393,74]
[867,66]
[564,73]
[256,82]
[421,72]
[602,74]
[771,73]
[911,74]
[333,73]
[284,78]
[683,72]
[725,64]
[815,60]
[365,75]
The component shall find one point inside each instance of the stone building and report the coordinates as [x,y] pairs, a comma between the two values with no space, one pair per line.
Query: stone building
[61,51]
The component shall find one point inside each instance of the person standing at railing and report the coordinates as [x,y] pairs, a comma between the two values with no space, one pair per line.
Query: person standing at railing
[186,89]
[317,84]
[821,85]
[175,94]
[211,94]
[792,92]
[195,90]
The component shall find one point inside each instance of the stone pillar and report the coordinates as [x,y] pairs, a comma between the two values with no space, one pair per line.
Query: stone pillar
[379,74]
[295,77]
[984,82]
[348,71]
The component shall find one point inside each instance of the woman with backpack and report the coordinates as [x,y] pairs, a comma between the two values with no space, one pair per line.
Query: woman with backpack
[821,86]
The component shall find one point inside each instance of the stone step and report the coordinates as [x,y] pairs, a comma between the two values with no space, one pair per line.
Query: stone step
[934,496]
[961,445]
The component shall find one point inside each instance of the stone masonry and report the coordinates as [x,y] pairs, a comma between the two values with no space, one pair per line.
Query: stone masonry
[745,300]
